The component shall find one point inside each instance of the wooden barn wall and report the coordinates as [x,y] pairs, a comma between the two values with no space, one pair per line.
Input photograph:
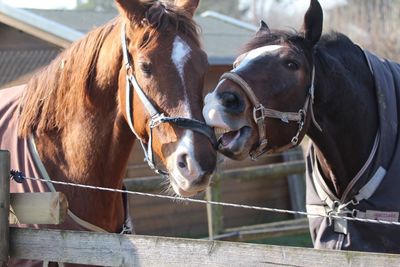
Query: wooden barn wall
[213,75]
[154,216]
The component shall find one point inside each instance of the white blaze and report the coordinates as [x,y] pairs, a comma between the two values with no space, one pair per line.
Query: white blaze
[255,53]
[180,55]
[211,112]
[185,146]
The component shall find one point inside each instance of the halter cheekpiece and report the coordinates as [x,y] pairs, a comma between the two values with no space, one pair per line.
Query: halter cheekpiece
[260,113]
[156,117]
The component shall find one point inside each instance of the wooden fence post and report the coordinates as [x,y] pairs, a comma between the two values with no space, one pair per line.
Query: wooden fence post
[296,183]
[4,205]
[214,212]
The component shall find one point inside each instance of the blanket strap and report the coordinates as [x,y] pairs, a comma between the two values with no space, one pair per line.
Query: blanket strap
[45,175]
[335,207]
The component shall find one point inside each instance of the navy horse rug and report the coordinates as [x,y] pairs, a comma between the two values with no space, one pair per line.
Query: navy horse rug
[374,191]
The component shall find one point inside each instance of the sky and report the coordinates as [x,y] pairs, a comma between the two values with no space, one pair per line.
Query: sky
[41,4]
[291,5]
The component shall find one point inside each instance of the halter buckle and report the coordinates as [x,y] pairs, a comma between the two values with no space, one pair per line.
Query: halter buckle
[260,150]
[295,138]
[258,113]
[156,120]
[129,69]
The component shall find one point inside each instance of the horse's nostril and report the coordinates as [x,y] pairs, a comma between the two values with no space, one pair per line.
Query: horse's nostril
[182,161]
[231,101]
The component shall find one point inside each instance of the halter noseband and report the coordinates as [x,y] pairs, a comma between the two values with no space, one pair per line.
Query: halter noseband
[260,113]
[156,118]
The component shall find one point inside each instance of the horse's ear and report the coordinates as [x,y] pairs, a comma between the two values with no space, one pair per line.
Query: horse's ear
[312,26]
[134,10]
[189,6]
[263,28]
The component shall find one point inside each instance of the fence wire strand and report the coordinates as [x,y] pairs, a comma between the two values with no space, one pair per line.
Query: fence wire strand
[224,204]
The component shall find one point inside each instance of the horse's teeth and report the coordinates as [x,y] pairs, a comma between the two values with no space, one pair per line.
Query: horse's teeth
[221,130]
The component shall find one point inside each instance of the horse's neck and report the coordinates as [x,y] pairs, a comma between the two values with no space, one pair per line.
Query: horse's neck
[346,108]
[93,148]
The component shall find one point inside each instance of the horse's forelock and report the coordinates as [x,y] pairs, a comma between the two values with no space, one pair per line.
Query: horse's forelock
[162,15]
[273,37]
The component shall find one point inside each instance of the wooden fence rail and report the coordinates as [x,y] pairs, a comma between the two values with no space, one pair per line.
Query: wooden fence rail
[265,230]
[215,213]
[272,171]
[135,250]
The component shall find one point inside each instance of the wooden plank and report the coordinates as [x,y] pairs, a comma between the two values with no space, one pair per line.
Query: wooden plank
[138,168]
[144,184]
[214,212]
[297,183]
[179,218]
[4,205]
[130,250]
[38,208]
[270,171]
[266,230]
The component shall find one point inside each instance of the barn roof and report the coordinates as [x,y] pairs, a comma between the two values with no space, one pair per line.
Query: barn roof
[222,35]
[16,64]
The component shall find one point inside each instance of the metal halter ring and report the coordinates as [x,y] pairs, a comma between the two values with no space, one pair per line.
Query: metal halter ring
[157,120]
[295,138]
[259,111]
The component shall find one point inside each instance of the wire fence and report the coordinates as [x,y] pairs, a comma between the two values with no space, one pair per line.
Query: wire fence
[224,204]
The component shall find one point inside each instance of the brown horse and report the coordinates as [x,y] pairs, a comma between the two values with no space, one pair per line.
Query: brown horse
[143,73]
[289,84]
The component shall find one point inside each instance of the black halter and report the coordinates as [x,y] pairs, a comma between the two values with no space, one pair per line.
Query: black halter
[156,117]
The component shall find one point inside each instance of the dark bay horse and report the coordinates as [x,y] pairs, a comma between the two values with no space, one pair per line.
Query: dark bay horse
[290,84]
[139,77]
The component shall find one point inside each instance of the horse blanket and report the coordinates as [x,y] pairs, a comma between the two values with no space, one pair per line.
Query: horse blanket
[23,159]
[375,193]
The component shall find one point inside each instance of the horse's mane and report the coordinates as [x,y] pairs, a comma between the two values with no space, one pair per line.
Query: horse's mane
[54,93]
[272,37]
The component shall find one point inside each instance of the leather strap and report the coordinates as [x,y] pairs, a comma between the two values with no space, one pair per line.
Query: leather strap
[155,116]
[260,113]
[39,164]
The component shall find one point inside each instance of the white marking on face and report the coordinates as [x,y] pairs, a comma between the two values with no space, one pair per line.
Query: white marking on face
[185,146]
[180,55]
[211,112]
[255,53]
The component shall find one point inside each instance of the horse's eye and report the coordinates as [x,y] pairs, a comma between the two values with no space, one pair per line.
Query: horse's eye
[292,65]
[146,68]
